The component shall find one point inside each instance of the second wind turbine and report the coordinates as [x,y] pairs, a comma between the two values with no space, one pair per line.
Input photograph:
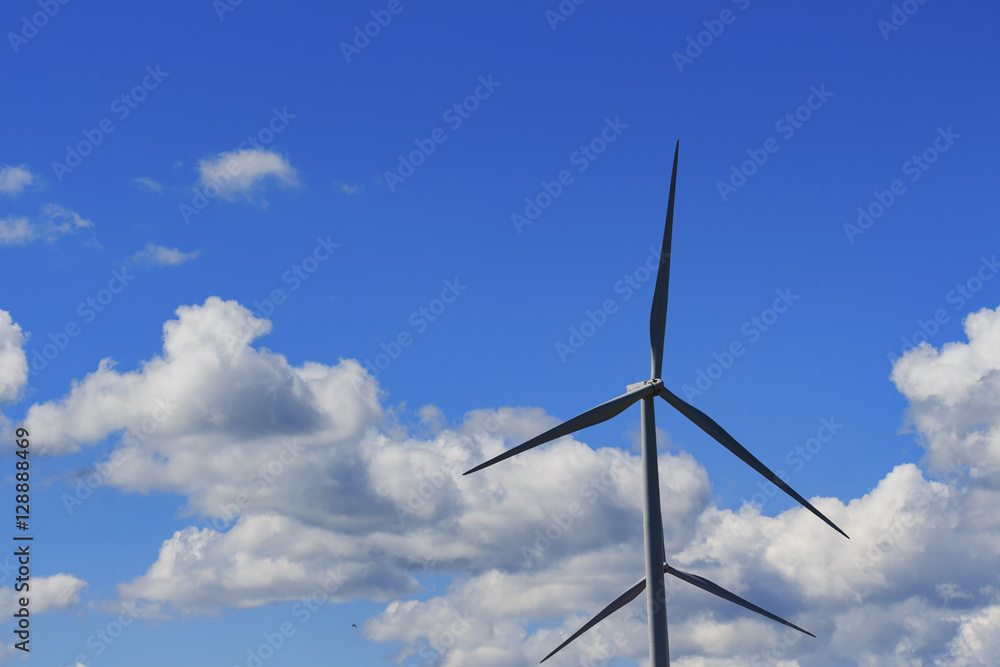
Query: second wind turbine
[656,565]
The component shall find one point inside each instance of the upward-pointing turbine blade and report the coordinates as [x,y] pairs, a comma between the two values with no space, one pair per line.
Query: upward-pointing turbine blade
[602,412]
[708,425]
[619,602]
[715,589]
[693,579]
[658,313]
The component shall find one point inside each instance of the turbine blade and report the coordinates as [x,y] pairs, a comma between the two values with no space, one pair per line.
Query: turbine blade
[658,313]
[693,579]
[602,412]
[708,425]
[622,600]
[715,589]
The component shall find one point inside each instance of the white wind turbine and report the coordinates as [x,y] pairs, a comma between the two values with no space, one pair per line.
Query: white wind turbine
[656,565]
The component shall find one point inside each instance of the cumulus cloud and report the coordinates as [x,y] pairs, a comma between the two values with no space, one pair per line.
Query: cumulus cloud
[158,255]
[13,360]
[297,482]
[977,641]
[296,451]
[14,179]
[240,173]
[52,593]
[53,223]
[954,393]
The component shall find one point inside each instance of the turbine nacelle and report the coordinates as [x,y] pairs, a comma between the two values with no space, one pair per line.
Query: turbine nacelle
[656,382]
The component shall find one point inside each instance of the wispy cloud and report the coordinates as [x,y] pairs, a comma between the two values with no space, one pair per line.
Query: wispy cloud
[237,174]
[158,255]
[14,179]
[15,230]
[347,188]
[53,223]
[147,184]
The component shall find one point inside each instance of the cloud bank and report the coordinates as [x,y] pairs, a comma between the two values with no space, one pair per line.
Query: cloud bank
[297,475]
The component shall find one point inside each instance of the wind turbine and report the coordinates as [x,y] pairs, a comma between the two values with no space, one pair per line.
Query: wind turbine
[656,565]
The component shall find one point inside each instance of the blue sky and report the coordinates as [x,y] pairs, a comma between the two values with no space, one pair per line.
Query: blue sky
[180,166]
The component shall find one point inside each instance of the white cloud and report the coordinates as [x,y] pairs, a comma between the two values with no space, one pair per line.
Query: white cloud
[977,641]
[347,188]
[158,255]
[53,223]
[325,492]
[16,230]
[52,593]
[14,179]
[13,360]
[238,174]
[147,184]
[58,221]
[300,445]
[954,393]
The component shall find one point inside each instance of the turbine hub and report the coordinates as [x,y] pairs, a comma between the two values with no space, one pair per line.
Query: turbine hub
[657,382]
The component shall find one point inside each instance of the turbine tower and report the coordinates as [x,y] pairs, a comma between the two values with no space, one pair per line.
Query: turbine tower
[656,565]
